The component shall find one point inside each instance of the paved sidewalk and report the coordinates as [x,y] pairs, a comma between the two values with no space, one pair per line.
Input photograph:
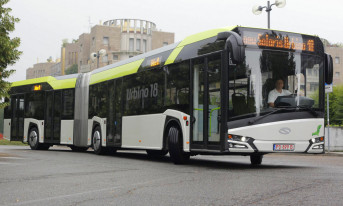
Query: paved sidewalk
[333,153]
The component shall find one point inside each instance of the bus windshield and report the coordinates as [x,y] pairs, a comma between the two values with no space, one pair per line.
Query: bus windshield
[251,83]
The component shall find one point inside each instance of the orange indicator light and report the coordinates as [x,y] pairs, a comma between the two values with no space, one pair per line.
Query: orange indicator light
[184,117]
[229,136]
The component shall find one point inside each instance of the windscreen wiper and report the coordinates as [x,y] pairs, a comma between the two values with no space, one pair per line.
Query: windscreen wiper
[261,117]
[309,109]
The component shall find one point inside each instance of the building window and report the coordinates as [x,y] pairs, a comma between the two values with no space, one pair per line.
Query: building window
[309,72]
[144,45]
[138,44]
[105,40]
[130,56]
[115,57]
[337,74]
[165,43]
[337,60]
[105,59]
[93,41]
[313,86]
[131,42]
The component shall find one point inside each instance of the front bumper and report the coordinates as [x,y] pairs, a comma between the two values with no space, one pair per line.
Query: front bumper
[263,146]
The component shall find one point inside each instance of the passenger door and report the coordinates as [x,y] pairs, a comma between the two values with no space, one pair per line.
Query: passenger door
[17,120]
[206,102]
[114,115]
[52,117]
[207,92]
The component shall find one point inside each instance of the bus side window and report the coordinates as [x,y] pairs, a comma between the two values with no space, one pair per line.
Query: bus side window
[8,109]
[68,104]
[177,87]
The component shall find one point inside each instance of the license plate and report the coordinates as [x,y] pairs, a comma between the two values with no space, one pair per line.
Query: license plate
[283,147]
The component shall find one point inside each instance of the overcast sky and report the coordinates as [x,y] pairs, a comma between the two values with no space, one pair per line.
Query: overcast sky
[44,23]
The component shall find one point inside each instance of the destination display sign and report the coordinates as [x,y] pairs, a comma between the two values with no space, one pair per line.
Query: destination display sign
[154,62]
[37,87]
[279,40]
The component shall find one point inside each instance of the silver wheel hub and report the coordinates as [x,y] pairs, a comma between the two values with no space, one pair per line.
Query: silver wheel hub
[96,140]
[33,138]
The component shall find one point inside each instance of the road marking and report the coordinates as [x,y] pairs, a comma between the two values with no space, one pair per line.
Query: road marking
[90,192]
[15,158]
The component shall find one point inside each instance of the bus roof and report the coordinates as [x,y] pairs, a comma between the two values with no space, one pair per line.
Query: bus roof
[128,66]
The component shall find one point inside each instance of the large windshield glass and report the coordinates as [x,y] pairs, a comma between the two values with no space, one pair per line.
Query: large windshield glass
[270,79]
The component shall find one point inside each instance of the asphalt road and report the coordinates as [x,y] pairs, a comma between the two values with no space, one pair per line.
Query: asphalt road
[62,177]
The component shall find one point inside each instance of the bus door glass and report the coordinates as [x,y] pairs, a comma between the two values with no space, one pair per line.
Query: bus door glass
[206,102]
[48,116]
[118,111]
[53,116]
[17,125]
[110,114]
[57,116]
[213,75]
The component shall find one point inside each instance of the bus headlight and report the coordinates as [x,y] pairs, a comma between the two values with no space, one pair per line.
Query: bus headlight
[317,140]
[238,138]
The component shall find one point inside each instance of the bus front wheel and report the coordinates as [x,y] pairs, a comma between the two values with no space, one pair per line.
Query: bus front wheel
[256,159]
[175,146]
[33,140]
[96,141]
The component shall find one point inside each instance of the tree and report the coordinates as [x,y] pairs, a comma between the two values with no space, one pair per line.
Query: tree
[64,42]
[337,105]
[72,69]
[49,59]
[8,49]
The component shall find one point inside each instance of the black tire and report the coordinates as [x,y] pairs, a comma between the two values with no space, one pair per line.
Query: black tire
[175,146]
[78,149]
[256,159]
[96,141]
[156,153]
[33,140]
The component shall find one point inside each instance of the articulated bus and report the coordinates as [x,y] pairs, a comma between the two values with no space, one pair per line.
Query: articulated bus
[207,94]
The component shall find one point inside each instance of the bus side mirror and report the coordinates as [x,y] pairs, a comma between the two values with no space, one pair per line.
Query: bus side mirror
[328,69]
[234,44]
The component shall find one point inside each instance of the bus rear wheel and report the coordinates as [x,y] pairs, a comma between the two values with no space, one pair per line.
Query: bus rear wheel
[96,141]
[175,146]
[256,159]
[33,140]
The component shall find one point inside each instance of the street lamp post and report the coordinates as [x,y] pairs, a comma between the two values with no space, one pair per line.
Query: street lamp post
[101,52]
[258,9]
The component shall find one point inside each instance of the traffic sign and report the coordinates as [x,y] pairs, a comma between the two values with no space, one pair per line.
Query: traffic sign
[328,88]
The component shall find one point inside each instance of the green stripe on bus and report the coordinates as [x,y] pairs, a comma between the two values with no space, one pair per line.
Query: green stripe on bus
[116,72]
[33,81]
[63,84]
[173,55]
[195,38]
